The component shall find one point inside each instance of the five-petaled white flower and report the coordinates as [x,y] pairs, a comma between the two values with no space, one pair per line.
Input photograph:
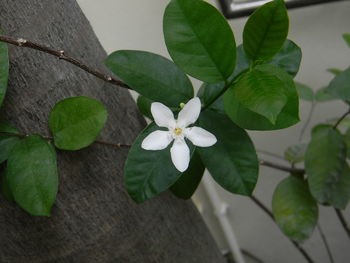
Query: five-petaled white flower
[178,130]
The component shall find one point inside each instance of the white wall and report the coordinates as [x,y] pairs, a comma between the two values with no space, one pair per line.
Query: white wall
[132,24]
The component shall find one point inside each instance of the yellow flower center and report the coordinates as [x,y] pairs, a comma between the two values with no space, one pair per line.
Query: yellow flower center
[178,131]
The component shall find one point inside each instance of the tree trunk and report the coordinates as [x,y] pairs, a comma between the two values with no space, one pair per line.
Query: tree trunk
[94,219]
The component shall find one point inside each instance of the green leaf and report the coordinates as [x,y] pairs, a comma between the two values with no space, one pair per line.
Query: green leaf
[7,142]
[346,37]
[305,92]
[232,161]
[76,122]
[187,184]
[294,209]
[288,58]
[346,138]
[261,92]
[151,75]
[339,87]
[322,95]
[248,119]
[334,71]
[144,105]
[208,92]
[32,175]
[199,40]
[324,161]
[4,70]
[266,30]
[148,173]
[5,189]
[295,153]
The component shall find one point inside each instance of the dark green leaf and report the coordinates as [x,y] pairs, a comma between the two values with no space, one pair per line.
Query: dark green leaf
[199,40]
[151,75]
[346,138]
[322,95]
[266,30]
[5,189]
[324,162]
[208,92]
[334,71]
[250,120]
[148,173]
[232,161]
[304,92]
[7,142]
[340,85]
[32,175]
[4,70]
[144,105]
[346,37]
[288,58]
[294,209]
[261,92]
[295,153]
[187,184]
[76,122]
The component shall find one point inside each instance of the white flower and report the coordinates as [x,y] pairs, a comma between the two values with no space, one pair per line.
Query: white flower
[178,130]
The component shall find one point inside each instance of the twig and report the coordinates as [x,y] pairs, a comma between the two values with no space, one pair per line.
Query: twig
[50,138]
[343,221]
[20,42]
[324,239]
[282,168]
[269,213]
[341,118]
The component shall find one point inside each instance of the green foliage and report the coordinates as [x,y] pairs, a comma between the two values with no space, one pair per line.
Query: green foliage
[322,95]
[266,30]
[232,161]
[334,71]
[31,174]
[7,142]
[187,184]
[144,105]
[346,37]
[76,122]
[148,173]
[294,209]
[305,92]
[4,70]
[325,162]
[151,75]
[295,153]
[208,92]
[5,189]
[340,85]
[248,119]
[199,40]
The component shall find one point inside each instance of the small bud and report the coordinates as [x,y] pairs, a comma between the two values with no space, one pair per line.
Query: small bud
[61,53]
[182,105]
[21,41]
[109,78]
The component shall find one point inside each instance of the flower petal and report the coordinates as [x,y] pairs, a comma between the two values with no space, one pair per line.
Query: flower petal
[162,115]
[190,112]
[200,137]
[180,155]
[157,140]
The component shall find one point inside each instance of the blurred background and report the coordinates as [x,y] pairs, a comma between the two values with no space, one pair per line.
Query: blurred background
[318,30]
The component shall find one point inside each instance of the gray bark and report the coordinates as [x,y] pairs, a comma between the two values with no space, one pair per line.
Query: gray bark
[93,220]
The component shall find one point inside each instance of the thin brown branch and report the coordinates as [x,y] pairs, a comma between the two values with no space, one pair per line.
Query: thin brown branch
[282,168]
[343,221]
[341,119]
[20,42]
[325,242]
[50,138]
[269,213]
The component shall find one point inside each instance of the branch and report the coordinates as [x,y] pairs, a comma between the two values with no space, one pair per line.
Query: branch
[341,118]
[282,168]
[324,239]
[343,221]
[269,213]
[20,42]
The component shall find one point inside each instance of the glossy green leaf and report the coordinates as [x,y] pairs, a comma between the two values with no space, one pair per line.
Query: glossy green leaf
[144,105]
[339,87]
[76,122]
[324,161]
[208,92]
[188,182]
[32,175]
[346,37]
[250,120]
[334,71]
[305,92]
[295,153]
[232,161]
[266,31]
[151,75]
[199,40]
[288,58]
[148,173]
[7,142]
[322,95]
[294,209]
[4,70]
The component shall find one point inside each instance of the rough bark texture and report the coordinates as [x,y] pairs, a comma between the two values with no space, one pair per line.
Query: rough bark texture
[93,220]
